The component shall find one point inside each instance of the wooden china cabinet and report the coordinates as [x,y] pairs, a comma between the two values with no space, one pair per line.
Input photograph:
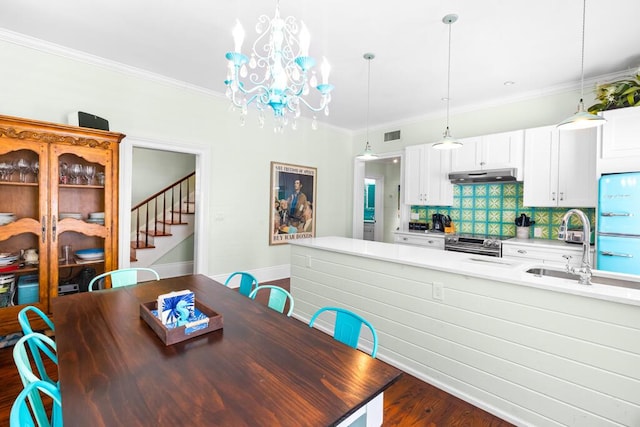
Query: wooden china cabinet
[56,181]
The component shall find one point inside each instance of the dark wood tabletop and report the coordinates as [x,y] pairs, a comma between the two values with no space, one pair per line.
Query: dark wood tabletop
[261,369]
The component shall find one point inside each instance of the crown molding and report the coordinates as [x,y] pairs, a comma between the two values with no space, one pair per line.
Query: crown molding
[87,58]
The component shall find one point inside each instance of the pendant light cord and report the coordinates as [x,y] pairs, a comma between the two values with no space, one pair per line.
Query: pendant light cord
[368,95]
[449,75]
[584,14]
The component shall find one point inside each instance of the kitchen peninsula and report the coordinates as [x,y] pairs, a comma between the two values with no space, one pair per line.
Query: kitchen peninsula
[532,350]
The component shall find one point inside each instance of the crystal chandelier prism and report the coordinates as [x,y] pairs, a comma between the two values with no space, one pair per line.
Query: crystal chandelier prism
[279,74]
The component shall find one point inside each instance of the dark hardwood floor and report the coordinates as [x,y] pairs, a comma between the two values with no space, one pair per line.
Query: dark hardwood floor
[408,402]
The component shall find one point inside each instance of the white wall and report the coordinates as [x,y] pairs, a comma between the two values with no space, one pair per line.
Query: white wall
[45,86]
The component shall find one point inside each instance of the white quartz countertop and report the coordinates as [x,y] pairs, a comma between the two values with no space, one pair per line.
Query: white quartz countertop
[491,268]
[544,243]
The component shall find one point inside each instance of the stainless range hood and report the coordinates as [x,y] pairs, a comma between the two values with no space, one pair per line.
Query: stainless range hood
[482,176]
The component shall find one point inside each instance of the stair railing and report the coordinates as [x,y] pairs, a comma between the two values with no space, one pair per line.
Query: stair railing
[154,208]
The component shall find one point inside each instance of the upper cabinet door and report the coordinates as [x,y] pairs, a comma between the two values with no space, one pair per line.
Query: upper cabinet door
[541,167]
[618,141]
[577,181]
[467,157]
[495,151]
[560,168]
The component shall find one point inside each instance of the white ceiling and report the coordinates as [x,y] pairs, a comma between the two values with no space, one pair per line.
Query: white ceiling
[535,44]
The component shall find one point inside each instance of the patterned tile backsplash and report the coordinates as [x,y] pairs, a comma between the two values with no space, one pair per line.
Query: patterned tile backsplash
[493,208]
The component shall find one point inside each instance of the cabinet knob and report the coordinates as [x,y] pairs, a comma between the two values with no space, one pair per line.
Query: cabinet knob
[405,239]
[430,242]
[522,251]
[553,195]
[561,196]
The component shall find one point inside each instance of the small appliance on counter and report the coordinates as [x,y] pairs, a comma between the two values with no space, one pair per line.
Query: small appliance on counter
[440,222]
[618,239]
[418,226]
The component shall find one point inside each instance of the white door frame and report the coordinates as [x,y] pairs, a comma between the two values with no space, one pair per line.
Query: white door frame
[200,231]
[378,228]
[358,192]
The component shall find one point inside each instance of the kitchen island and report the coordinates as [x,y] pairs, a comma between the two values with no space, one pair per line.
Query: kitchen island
[532,350]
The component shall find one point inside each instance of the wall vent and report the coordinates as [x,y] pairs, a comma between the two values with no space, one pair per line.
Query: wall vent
[392,136]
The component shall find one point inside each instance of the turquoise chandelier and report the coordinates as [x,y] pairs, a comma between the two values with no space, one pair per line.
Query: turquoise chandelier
[279,73]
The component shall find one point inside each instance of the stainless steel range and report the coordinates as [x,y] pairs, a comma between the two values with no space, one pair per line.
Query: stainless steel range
[474,244]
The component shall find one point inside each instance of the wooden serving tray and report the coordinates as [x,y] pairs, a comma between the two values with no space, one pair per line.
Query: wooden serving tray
[175,335]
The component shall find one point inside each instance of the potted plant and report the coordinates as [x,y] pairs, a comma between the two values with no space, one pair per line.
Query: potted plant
[617,94]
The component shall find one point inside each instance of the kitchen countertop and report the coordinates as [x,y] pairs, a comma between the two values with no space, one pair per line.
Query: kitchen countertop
[496,269]
[545,243]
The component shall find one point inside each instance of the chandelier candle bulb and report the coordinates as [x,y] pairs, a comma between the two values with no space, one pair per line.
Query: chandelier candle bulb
[305,40]
[238,37]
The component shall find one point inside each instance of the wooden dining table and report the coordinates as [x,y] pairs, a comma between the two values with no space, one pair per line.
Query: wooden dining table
[261,369]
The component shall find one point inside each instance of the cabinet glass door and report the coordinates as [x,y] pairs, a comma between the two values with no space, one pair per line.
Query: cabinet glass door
[23,225]
[81,214]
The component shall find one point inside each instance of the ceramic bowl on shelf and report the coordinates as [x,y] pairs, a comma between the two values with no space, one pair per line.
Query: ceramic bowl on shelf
[90,254]
[96,215]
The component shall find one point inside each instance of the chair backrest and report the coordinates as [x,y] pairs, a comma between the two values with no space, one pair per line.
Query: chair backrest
[247,282]
[123,277]
[23,319]
[35,346]
[24,411]
[277,297]
[41,345]
[347,327]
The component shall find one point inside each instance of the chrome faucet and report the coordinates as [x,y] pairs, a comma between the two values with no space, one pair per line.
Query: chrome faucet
[585,266]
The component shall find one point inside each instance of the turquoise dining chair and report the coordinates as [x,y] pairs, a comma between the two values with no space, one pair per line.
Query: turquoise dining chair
[24,411]
[23,319]
[44,346]
[347,327]
[247,282]
[277,298]
[35,347]
[122,277]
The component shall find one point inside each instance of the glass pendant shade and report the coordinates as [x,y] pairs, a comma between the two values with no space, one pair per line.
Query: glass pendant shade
[368,153]
[581,120]
[448,142]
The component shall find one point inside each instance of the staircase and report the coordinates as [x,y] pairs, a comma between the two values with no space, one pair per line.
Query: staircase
[162,221]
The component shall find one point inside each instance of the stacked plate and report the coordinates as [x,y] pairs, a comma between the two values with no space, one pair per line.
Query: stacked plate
[6,217]
[94,254]
[7,258]
[96,218]
[74,215]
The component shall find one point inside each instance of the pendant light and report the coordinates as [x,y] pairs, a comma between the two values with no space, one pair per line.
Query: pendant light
[448,142]
[368,153]
[582,119]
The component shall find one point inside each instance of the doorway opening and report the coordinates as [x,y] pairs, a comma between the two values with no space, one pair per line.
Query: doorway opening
[385,173]
[189,255]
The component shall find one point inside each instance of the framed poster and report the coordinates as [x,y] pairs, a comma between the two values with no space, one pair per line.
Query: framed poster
[293,198]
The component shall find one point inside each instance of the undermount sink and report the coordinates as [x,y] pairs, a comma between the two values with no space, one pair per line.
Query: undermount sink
[595,277]
[560,274]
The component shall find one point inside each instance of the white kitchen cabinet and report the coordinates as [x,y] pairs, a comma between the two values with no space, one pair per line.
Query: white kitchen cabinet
[547,252]
[560,167]
[426,179]
[619,141]
[495,151]
[430,240]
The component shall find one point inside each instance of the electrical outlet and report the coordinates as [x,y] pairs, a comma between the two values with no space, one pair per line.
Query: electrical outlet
[537,232]
[438,291]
